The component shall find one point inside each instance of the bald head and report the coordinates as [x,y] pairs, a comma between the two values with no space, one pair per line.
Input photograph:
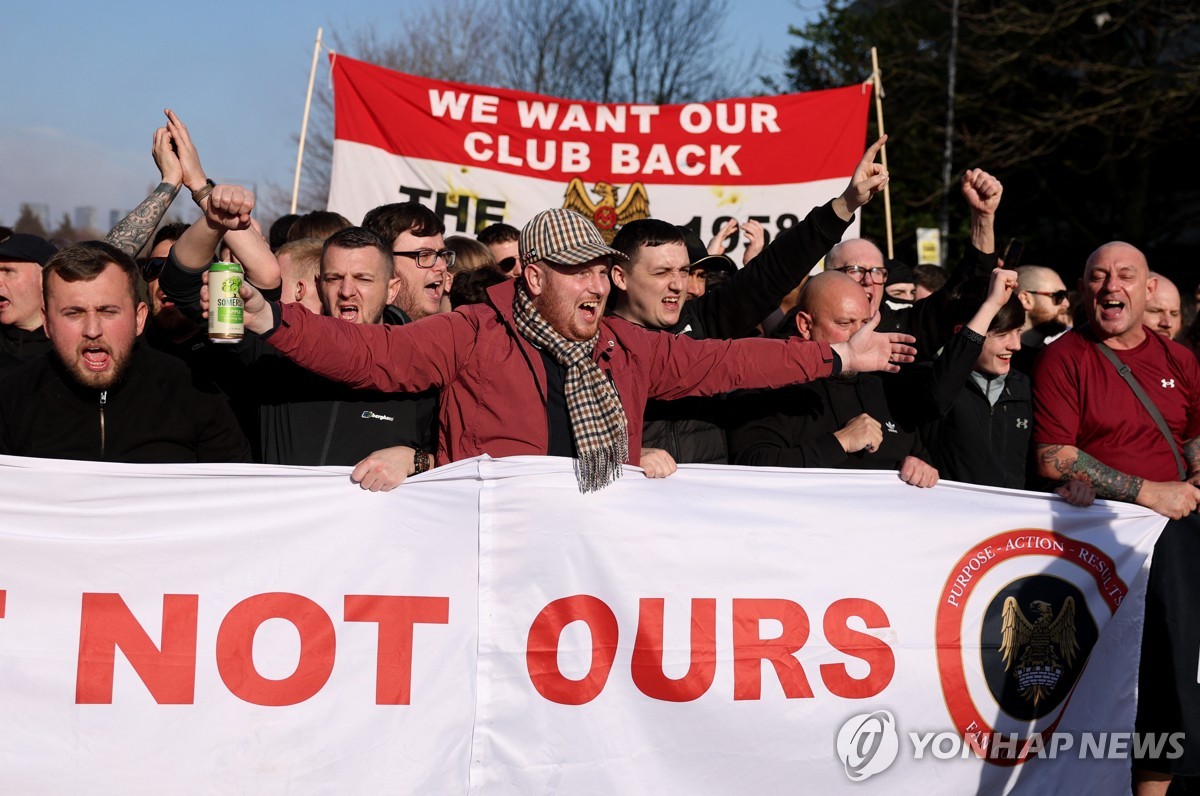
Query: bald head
[832,307]
[864,254]
[1163,308]
[1115,287]
[1117,251]
[1043,295]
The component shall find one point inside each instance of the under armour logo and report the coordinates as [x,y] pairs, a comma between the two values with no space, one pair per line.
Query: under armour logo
[1168,383]
[1022,422]
[891,427]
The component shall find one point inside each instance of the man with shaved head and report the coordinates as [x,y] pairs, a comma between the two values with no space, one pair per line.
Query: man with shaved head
[1091,426]
[843,422]
[1163,308]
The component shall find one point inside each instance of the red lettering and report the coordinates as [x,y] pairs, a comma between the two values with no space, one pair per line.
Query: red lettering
[541,655]
[874,651]
[106,623]
[750,649]
[235,649]
[647,666]
[396,617]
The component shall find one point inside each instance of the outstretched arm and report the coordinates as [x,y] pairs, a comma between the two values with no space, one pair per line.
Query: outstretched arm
[132,232]
[1068,463]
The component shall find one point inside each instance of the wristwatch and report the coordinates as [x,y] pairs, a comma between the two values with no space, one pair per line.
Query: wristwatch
[422,461]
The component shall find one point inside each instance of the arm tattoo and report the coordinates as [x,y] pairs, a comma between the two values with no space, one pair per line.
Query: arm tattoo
[1109,483]
[131,233]
[1191,455]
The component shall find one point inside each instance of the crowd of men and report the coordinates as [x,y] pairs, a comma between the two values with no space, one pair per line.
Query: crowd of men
[391,348]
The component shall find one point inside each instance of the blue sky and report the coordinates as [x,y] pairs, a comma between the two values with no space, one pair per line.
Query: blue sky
[85,85]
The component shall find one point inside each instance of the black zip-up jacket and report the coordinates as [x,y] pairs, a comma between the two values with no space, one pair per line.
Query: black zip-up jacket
[156,414]
[693,430]
[304,419]
[979,443]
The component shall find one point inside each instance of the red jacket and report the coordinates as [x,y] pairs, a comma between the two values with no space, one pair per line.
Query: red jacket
[493,383]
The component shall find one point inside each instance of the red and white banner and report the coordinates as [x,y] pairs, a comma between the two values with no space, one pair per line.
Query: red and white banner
[487,629]
[479,155]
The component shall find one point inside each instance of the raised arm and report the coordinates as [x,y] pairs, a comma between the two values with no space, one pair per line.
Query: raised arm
[754,292]
[252,250]
[132,232]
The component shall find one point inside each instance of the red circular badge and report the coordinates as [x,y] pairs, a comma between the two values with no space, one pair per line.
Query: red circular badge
[966,574]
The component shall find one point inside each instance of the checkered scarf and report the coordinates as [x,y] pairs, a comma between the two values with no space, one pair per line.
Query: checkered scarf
[597,417]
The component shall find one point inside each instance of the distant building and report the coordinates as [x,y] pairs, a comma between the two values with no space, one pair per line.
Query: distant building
[85,217]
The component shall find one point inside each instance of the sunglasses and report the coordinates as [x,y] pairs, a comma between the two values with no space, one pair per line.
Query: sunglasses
[152,267]
[1058,296]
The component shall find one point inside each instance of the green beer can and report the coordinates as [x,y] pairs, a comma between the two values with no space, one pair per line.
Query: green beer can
[225,303]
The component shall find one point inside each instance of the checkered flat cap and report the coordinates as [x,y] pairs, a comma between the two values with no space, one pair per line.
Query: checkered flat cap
[563,237]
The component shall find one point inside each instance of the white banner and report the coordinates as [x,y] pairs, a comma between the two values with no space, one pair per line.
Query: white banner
[336,590]
[477,155]
[487,629]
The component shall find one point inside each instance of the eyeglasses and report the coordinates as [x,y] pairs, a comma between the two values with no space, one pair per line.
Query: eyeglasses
[857,272]
[426,258]
[152,267]
[1057,296]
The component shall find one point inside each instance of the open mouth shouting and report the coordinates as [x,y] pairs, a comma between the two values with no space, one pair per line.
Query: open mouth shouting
[590,310]
[1111,309]
[95,357]
[433,289]
[348,312]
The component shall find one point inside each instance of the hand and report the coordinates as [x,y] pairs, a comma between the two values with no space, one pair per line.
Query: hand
[717,244]
[1001,287]
[869,179]
[982,191]
[863,433]
[1174,499]
[867,350]
[165,158]
[256,311]
[754,240]
[917,473]
[657,463]
[193,173]
[228,207]
[1077,493]
[386,469]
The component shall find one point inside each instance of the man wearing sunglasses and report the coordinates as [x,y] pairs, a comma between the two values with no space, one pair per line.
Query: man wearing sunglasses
[1046,303]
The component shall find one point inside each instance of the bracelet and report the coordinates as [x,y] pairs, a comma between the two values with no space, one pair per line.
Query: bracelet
[421,461]
[200,193]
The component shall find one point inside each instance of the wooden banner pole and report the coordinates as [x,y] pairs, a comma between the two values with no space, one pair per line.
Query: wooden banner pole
[887,193]
[304,124]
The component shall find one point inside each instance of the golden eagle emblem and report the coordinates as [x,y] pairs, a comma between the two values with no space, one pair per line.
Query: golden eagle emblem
[1038,648]
[606,214]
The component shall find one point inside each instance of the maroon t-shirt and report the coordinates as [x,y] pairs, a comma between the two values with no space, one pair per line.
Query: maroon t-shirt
[1080,399]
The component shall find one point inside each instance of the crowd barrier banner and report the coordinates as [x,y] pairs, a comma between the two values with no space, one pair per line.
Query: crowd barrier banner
[485,628]
[480,155]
